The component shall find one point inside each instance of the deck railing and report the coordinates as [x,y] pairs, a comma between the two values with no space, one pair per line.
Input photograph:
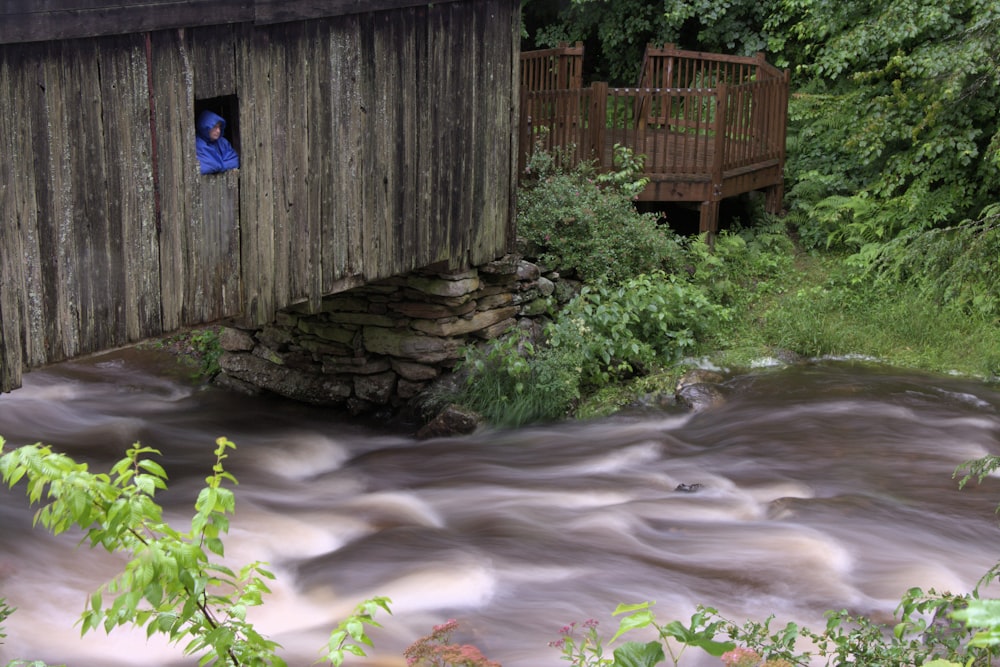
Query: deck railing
[679,130]
[552,69]
[670,67]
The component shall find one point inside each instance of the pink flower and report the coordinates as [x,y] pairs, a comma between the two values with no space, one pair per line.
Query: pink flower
[741,657]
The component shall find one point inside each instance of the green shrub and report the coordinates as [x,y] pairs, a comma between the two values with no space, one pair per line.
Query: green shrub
[741,262]
[606,334]
[580,226]
[618,331]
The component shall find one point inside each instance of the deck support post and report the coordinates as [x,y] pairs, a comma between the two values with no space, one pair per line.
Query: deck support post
[708,220]
[774,196]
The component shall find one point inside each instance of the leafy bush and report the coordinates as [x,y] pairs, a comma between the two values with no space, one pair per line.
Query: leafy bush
[580,226]
[928,631]
[605,334]
[618,331]
[741,261]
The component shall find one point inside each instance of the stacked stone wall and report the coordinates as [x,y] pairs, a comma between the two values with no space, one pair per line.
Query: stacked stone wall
[384,343]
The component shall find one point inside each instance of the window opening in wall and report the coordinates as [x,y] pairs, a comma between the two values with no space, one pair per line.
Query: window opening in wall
[226,107]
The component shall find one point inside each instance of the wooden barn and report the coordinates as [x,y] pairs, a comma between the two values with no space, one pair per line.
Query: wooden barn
[375,137]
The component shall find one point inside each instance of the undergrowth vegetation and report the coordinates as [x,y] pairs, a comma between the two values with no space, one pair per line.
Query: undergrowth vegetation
[647,311]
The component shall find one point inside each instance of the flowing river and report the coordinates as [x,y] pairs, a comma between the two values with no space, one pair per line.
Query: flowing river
[822,486]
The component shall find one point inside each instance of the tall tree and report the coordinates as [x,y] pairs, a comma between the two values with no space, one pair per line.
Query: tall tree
[616,32]
[898,121]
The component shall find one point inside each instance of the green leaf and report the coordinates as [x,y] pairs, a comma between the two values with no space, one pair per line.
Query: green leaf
[153,468]
[634,654]
[641,618]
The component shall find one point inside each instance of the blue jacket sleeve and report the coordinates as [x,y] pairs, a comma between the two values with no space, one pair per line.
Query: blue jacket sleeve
[207,157]
[217,156]
[228,156]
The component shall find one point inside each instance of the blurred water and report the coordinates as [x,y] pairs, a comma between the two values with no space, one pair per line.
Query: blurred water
[823,486]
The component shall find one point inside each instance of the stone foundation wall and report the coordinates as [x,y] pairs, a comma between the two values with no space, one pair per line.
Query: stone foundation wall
[384,343]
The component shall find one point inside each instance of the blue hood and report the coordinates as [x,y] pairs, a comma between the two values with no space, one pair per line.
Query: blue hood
[206,121]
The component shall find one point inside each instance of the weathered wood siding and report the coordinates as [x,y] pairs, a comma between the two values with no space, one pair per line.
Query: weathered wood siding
[371,144]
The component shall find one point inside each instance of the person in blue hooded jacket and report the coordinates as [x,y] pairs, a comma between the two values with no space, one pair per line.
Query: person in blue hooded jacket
[215,153]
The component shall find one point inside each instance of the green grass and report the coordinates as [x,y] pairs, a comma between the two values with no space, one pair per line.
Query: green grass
[817,310]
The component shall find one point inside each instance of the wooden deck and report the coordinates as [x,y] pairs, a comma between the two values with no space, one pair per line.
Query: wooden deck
[709,126]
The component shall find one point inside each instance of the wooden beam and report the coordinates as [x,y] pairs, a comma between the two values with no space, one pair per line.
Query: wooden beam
[45,20]
[280,11]
[31,21]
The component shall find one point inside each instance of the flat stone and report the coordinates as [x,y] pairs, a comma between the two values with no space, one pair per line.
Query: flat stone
[442,287]
[288,382]
[410,370]
[546,286]
[457,275]
[506,265]
[266,353]
[320,347]
[335,331]
[235,340]
[376,389]
[453,420]
[534,308]
[284,318]
[700,396]
[411,345]
[431,311]
[527,271]
[460,327]
[526,296]
[363,319]
[451,301]
[355,365]
[496,330]
[407,389]
[274,337]
[497,300]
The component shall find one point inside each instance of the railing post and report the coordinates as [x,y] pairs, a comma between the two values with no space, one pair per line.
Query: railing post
[524,140]
[709,218]
[721,112]
[598,119]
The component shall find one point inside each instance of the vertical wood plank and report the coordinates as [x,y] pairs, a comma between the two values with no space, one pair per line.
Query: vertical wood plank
[58,243]
[257,186]
[31,147]
[286,161]
[217,253]
[97,256]
[439,130]
[409,249]
[177,168]
[318,131]
[212,50]
[131,210]
[12,186]
[349,100]
[375,237]
[470,88]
